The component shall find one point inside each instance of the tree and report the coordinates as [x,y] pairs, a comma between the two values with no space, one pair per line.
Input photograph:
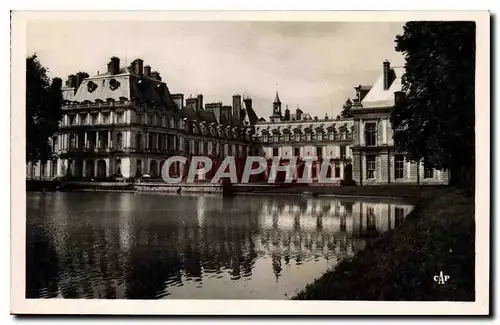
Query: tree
[346,109]
[43,110]
[434,123]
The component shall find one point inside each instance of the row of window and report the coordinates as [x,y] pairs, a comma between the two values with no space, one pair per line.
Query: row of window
[306,137]
[319,152]
[94,118]
[201,148]
[399,162]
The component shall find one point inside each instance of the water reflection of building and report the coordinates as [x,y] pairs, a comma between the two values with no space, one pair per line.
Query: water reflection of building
[143,248]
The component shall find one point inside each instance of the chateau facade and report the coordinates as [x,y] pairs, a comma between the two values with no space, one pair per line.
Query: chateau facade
[375,158]
[125,123]
[301,136]
[359,149]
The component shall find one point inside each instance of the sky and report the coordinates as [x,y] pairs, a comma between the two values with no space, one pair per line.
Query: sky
[314,65]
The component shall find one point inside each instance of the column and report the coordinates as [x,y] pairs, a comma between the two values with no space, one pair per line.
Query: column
[148,145]
[384,131]
[361,133]
[157,141]
[111,117]
[109,139]
[77,140]
[85,144]
[341,170]
[84,166]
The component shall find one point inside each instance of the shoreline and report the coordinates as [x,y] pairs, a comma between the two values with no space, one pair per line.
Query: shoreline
[377,192]
[437,235]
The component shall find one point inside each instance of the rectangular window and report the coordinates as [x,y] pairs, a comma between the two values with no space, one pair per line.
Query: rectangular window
[296,152]
[139,119]
[319,151]
[275,152]
[72,120]
[342,152]
[370,167]
[150,119]
[94,118]
[83,119]
[105,118]
[205,147]
[171,122]
[399,166]
[53,168]
[276,138]
[428,173]
[330,135]
[319,136]
[308,136]
[371,134]
[286,137]
[297,136]
[196,148]
[265,138]
[119,117]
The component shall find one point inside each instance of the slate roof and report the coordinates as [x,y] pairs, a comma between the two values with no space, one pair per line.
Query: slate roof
[124,85]
[378,96]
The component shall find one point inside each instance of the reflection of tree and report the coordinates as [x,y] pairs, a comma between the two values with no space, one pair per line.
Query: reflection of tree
[42,264]
[276,261]
[173,245]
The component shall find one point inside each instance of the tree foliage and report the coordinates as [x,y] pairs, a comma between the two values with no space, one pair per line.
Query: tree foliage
[43,109]
[435,122]
[346,109]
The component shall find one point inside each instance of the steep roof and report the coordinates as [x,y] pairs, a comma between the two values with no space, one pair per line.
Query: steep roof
[123,85]
[380,97]
[277,99]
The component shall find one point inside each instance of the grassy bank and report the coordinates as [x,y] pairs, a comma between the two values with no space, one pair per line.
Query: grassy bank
[438,235]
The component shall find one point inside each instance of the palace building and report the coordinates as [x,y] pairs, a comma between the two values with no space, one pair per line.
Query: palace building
[375,158]
[359,149]
[301,136]
[125,123]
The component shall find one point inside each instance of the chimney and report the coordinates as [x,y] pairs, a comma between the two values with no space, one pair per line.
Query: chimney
[137,67]
[192,103]
[214,108]
[114,65]
[217,112]
[199,103]
[155,75]
[226,111]
[72,81]
[237,107]
[248,103]
[178,100]
[287,114]
[147,70]
[387,70]
[399,97]
[298,114]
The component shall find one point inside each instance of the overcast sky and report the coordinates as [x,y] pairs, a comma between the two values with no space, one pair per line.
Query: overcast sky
[315,64]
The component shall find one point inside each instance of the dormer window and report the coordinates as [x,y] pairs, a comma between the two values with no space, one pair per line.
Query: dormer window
[91,86]
[114,84]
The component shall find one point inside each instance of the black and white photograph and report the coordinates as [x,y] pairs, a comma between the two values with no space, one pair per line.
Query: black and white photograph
[250,163]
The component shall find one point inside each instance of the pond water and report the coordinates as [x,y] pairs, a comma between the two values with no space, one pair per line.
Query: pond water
[150,246]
